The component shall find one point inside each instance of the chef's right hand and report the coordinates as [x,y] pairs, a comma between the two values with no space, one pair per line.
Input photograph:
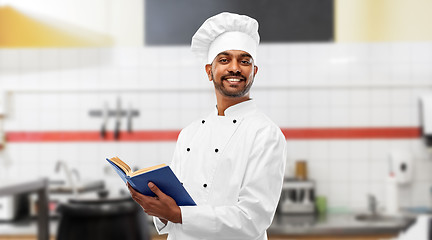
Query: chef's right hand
[162,206]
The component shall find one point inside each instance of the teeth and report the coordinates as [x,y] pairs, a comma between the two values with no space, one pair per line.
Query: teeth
[233,80]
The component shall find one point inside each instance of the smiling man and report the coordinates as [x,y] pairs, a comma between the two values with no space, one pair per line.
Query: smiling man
[232,161]
[232,73]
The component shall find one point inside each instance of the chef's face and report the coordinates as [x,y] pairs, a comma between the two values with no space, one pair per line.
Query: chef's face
[232,73]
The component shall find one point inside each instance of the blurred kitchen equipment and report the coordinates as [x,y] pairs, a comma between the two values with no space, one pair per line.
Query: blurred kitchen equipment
[372,204]
[27,187]
[33,206]
[105,116]
[118,113]
[61,164]
[83,186]
[391,192]
[402,166]
[118,120]
[129,119]
[8,208]
[301,170]
[297,197]
[102,218]
[321,205]
[13,207]
[426,120]
[375,216]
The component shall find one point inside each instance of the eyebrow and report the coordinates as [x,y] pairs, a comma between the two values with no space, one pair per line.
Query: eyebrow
[241,55]
[246,55]
[223,53]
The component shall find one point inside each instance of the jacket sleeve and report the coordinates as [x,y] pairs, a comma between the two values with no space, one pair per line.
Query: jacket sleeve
[161,228]
[259,195]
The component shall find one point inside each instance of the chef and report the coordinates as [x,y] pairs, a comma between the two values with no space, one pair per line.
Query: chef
[232,161]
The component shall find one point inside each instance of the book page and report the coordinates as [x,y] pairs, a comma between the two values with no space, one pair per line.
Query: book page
[144,170]
[122,165]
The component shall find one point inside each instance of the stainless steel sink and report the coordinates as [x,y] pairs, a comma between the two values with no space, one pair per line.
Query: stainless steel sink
[381,218]
[58,187]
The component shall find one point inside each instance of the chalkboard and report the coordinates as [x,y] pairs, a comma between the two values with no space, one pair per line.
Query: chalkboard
[173,22]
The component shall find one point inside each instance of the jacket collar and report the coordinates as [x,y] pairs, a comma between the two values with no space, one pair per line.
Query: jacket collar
[240,109]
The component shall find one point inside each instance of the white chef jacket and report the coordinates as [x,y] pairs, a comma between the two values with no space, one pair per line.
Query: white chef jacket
[233,167]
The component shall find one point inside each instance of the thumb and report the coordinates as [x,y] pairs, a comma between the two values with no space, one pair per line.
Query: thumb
[156,190]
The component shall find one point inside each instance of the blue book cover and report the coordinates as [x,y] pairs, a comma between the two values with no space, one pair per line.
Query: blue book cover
[161,175]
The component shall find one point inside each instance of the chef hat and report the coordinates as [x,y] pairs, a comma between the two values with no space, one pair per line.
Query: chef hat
[225,31]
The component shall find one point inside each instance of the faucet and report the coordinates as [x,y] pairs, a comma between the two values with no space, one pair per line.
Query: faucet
[372,203]
[77,175]
[61,164]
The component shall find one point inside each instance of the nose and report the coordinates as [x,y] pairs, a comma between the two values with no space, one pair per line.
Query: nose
[234,67]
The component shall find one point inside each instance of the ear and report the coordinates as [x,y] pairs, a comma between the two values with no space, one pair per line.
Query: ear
[255,70]
[208,69]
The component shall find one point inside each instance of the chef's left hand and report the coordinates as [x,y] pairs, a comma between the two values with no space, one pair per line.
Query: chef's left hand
[162,206]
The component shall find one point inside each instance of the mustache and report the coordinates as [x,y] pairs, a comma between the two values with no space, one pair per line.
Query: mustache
[233,75]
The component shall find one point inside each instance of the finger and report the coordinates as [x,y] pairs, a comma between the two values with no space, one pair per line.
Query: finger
[137,196]
[131,189]
[156,190]
[134,194]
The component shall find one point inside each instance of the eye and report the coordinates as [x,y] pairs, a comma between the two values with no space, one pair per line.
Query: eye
[245,62]
[223,60]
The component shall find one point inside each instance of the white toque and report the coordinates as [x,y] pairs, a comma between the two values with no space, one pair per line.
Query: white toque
[225,31]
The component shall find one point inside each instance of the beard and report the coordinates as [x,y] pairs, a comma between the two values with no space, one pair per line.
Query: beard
[233,94]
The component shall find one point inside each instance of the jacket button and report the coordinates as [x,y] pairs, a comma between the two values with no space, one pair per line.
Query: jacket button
[205,185]
[234,121]
[216,150]
[188,149]
[203,121]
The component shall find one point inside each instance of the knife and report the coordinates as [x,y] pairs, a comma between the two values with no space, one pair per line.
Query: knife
[117,124]
[105,113]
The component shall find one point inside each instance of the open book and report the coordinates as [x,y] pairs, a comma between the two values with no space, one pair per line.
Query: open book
[161,175]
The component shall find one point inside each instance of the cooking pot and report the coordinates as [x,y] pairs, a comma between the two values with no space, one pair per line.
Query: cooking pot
[102,218]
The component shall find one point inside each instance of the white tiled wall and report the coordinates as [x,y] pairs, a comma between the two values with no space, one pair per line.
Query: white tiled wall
[298,85]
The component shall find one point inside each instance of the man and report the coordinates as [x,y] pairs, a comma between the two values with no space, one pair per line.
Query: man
[231,162]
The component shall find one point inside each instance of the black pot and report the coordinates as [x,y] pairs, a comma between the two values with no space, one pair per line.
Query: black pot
[102,219]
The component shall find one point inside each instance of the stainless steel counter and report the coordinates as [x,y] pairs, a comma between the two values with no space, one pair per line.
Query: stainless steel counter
[39,186]
[331,225]
[335,224]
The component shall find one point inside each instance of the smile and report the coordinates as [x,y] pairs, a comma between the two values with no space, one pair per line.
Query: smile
[233,80]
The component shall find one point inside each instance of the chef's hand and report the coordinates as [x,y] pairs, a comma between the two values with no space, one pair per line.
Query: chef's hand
[162,206]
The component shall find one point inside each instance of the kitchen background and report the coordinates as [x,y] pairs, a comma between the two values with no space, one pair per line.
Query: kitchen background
[344,106]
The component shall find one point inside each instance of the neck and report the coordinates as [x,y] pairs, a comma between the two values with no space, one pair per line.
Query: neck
[224,102]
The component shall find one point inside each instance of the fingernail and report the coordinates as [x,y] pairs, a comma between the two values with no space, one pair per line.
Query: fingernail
[151,184]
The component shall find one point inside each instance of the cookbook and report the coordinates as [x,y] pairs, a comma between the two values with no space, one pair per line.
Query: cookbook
[161,175]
